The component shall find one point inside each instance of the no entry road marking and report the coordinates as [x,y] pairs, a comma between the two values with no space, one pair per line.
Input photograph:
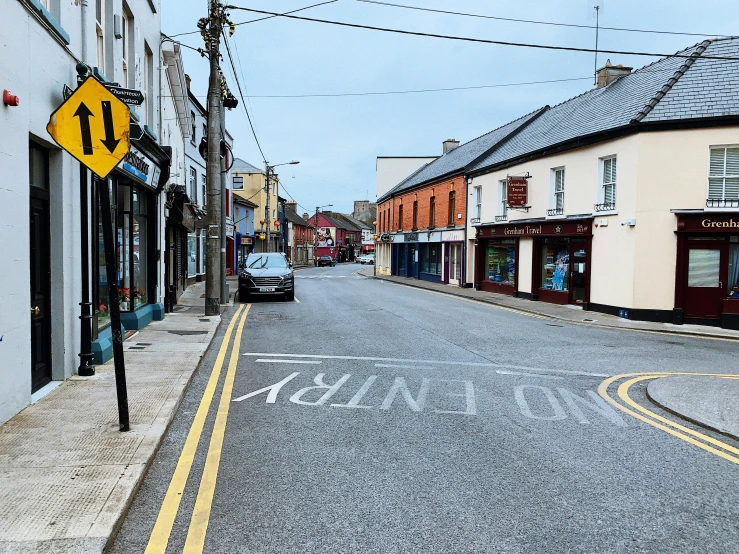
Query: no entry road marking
[400,366]
[427,362]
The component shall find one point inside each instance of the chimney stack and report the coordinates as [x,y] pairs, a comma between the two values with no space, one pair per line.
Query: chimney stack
[449,144]
[305,216]
[609,73]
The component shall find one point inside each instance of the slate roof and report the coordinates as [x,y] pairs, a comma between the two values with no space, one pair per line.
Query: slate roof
[458,159]
[244,201]
[342,222]
[240,166]
[356,222]
[296,219]
[666,90]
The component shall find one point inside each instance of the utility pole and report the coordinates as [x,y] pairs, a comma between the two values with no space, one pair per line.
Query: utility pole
[222,258]
[267,215]
[213,167]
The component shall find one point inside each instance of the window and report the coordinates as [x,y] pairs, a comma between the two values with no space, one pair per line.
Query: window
[723,178]
[608,186]
[502,201]
[501,261]
[193,178]
[555,263]
[127,42]
[149,85]
[194,127]
[415,214]
[558,192]
[203,186]
[400,217]
[205,130]
[432,213]
[430,258]
[452,208]
[100,33]
[478,203]
[238,183]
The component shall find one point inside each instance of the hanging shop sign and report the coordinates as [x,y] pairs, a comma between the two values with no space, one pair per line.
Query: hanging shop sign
[452,236]
[141,167]
[246,240]
[517,191]
[93,126]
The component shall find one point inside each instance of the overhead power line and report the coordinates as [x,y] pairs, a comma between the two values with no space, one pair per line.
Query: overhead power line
[481,40]
[261,18]
[241,94]
[498,18]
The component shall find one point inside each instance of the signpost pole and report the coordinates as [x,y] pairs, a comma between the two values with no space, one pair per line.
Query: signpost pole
[115,312]
[86,367]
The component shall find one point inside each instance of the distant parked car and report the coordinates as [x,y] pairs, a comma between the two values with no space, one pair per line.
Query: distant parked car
[266,273]
[367,259]
[325,260]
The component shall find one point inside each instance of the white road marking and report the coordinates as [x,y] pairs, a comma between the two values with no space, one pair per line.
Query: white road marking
[405,366]
[439,362]
[357,398]
[274,361]
[296,300]
[501,372]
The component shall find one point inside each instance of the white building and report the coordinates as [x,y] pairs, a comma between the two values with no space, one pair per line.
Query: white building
[43,41]
[391,170]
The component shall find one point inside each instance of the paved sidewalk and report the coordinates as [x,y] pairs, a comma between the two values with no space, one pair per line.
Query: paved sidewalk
[708,401]
[67,474]
[571,314]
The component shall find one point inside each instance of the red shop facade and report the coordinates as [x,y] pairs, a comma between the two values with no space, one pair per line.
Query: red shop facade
[707,271]
[560,264]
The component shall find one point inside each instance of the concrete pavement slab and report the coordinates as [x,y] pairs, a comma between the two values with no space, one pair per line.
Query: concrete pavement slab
[712,402]
[67,474]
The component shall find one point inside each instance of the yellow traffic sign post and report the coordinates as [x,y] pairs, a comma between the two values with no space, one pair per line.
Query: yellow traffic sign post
[93,126]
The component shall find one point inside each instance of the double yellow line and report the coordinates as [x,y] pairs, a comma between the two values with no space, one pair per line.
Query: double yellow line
[701,440]
[201,514]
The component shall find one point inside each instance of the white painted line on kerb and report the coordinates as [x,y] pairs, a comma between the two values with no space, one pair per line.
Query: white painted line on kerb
[439,362]
[405,366]
[274,361]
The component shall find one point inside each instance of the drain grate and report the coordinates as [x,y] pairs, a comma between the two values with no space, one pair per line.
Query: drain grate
[553,325]
[589,320]
[136,347]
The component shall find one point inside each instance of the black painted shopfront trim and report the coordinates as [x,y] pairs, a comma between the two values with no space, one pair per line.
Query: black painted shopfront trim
[638,314]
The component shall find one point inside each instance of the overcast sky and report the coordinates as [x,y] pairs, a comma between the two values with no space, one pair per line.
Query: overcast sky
[337,140]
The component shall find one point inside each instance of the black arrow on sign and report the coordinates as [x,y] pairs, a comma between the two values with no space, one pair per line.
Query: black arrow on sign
[84,113]
[110,142]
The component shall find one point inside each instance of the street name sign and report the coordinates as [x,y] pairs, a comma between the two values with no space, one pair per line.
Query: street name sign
[93,126]
[129,96]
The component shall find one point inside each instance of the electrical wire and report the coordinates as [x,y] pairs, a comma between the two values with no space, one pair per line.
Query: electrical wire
[418,8]
[263,18]
[241,94]
[483,41]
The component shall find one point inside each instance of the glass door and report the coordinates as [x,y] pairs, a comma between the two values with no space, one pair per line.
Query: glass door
[455,263]
[707,268]
[578,271]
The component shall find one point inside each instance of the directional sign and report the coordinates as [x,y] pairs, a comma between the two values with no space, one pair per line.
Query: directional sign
[129,96]
[93,126]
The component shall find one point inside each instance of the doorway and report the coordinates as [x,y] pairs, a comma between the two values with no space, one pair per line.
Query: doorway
[706,275]
[455,263]
[40,267]
[578,271]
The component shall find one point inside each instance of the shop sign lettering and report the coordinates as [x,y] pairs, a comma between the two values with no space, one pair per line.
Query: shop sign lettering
[731,224]
[137,164]
[526,230]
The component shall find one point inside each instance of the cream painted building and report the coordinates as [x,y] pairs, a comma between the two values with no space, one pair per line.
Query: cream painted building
[623,200]
[248,184]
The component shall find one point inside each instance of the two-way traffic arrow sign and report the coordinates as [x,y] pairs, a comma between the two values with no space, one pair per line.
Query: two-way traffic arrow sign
[93,126]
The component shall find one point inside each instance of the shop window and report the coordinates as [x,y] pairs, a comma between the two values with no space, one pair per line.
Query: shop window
[140,235]
[452,208]
[555,263]
[432,212]
[430,258]
[203,253]
[733,285]
[192,254]
[193,179]
[607,193]
[100,33]
[723,178]
[501,262]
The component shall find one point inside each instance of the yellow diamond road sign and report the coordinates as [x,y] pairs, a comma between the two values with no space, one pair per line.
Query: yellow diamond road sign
[93,126]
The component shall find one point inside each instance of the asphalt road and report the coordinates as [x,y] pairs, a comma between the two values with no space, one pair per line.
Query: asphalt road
[373,417]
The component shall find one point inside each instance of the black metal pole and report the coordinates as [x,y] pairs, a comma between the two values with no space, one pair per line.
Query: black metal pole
[86,367]
[113,306]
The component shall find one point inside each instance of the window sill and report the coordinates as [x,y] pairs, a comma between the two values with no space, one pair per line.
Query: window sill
[56,30]
[601,214]
[727,209]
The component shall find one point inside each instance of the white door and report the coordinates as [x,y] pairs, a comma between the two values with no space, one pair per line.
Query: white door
[455,263]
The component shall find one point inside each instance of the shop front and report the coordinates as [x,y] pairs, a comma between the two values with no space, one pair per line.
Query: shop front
[707,272]
[453,253]
[418,255]
[244,247]
[180,222]
[560,264]
[133,187]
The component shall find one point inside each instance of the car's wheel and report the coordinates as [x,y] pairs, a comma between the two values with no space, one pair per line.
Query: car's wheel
[290,296]
[243,296]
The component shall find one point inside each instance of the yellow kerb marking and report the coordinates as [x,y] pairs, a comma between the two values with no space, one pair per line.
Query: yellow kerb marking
[168,512]
[201,514]
[623,394]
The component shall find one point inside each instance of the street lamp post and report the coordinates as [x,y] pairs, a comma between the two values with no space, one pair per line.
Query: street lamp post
[268,169]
